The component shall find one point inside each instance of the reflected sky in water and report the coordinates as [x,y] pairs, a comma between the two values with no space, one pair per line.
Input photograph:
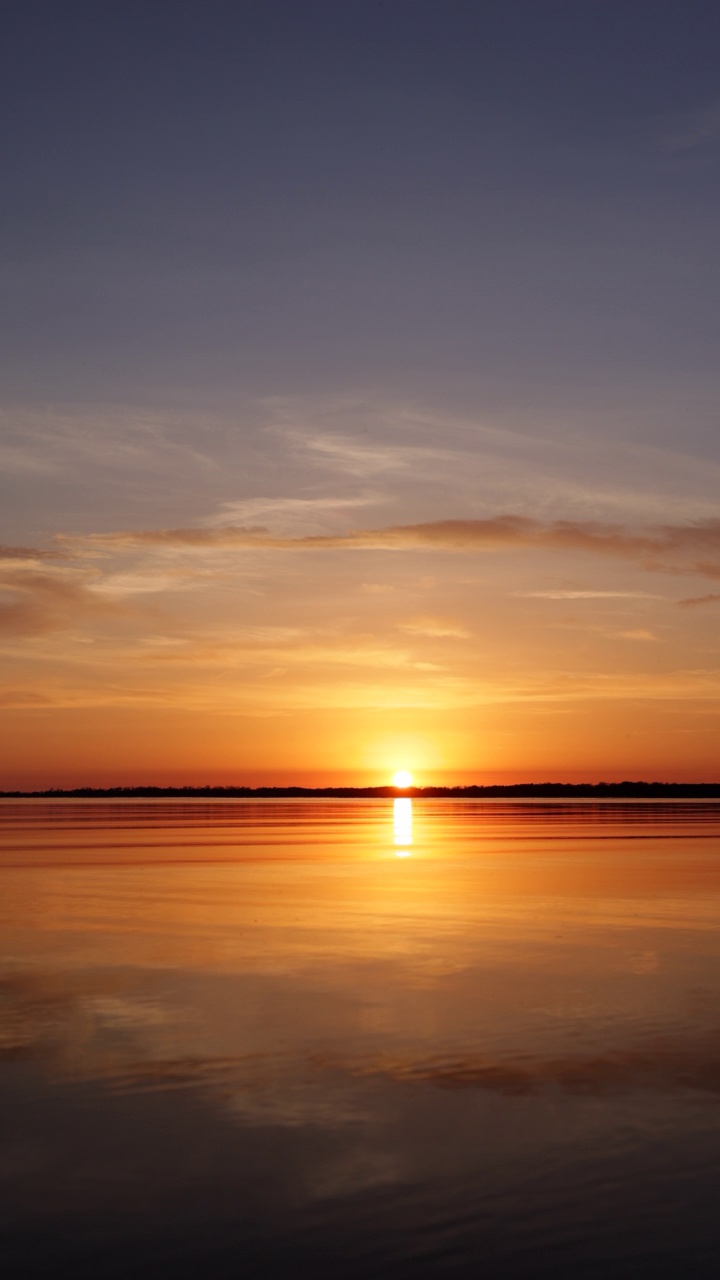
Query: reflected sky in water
[248,1038]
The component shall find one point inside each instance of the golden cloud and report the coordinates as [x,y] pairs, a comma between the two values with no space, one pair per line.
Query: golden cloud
[36,601]
[669,548]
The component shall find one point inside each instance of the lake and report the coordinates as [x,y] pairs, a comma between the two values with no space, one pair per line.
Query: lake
[355,1039]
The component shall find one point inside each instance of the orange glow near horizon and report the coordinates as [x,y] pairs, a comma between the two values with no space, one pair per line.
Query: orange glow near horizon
[71,747]
[518,689]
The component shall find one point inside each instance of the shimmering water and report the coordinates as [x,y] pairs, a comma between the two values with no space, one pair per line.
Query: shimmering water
[338,1039]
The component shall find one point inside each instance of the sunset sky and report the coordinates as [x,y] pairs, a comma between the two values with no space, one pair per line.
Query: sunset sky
[360,391]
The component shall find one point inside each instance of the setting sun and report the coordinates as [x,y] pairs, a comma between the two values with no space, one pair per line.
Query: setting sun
[402,778]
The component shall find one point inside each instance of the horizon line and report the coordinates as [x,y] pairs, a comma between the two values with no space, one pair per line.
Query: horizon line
[626,788]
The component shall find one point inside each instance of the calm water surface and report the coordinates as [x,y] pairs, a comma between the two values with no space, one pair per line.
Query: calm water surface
[352,1039]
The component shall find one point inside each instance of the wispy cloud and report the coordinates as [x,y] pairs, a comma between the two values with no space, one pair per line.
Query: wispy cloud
[562,594]
[360,458]
[536,465]
[277,679]
[33,602]
[640,633]
[291,514]
[28,553]
[692,601]
[668,548]
[435,627]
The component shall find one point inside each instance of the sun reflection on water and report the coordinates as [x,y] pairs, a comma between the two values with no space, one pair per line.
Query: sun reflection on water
[402,826]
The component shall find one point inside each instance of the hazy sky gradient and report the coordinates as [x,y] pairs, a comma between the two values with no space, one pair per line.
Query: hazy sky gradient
[330,273]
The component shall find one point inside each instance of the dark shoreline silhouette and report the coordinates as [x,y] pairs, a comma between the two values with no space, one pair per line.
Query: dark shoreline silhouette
[518,791]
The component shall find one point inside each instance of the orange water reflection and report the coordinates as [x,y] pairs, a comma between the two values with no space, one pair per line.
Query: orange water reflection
[582,912]
[536,988]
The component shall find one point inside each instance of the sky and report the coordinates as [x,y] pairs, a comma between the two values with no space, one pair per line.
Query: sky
[359,391]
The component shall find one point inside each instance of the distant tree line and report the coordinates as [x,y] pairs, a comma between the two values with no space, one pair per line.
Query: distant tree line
[518,791]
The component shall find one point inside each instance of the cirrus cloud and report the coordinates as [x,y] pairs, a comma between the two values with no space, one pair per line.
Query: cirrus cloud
[669,548]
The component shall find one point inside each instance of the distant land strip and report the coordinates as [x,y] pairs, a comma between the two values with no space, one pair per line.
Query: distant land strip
[516,791]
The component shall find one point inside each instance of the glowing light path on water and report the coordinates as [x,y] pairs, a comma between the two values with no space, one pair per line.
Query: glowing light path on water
[402,826]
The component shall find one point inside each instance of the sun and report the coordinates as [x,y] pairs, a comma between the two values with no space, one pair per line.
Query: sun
[402,779]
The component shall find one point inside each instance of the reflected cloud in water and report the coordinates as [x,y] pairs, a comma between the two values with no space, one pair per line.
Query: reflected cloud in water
[234,1033]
